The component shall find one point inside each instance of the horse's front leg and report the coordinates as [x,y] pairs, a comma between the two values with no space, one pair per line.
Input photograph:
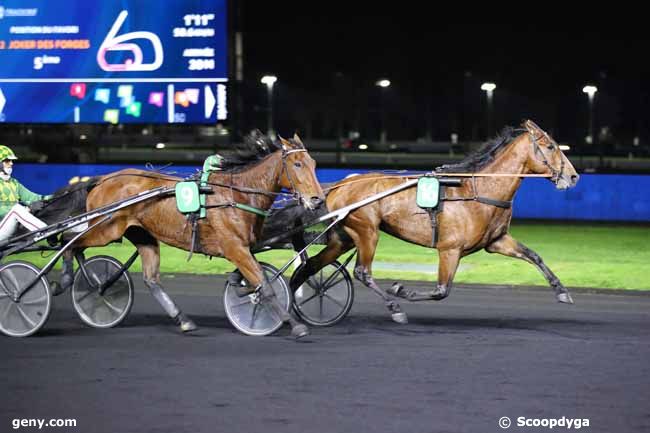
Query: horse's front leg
[447,266]
[251,270]
[509,246]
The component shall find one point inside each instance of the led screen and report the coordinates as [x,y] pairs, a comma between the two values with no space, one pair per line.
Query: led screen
[116,61]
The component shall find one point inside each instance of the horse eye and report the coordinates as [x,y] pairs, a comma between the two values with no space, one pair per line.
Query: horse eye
[297,164]
[550,147]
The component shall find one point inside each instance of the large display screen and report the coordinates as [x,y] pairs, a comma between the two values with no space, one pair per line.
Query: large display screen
[116,61]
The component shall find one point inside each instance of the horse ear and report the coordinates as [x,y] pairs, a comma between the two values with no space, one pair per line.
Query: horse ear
[286,144]
[297,140]
[530,125]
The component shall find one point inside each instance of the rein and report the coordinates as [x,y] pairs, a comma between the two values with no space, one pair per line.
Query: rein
[417,176]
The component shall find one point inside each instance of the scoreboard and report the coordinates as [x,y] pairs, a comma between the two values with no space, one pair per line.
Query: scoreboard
[115,61]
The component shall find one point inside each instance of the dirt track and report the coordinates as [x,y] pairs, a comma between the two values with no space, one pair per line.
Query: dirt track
[458,366]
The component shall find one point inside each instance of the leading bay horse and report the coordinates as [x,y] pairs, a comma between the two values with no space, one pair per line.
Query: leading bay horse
[226,231]
[474,216]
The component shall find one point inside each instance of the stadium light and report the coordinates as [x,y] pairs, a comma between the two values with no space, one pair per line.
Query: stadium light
[489,89]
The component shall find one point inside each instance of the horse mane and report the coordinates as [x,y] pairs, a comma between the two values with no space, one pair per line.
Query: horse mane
[255,148]
[484,155]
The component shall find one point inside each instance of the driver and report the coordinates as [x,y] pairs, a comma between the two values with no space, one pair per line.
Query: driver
[13,197]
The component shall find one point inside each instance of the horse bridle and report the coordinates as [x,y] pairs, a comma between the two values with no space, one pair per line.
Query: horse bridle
[556,175]
[285,153]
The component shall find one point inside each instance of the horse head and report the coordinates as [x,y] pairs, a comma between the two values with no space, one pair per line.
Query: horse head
[299,173]
[546,157]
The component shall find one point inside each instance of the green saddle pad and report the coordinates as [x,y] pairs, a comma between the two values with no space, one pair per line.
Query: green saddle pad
[428,192]
[187,197]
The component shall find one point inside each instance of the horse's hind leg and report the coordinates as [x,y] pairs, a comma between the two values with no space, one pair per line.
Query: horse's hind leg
[67,274]
[366,242]
[149,250]
[509,246]
[334,249]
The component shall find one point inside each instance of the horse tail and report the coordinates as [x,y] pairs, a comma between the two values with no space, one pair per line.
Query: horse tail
[67,201]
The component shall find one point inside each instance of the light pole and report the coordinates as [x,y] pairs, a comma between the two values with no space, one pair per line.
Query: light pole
[591,92]
[489,89]
[269,80]
[383,85]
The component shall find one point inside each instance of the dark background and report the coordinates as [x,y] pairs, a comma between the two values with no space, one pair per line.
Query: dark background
[328,55]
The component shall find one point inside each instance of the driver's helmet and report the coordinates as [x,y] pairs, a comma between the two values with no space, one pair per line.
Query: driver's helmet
[6,153]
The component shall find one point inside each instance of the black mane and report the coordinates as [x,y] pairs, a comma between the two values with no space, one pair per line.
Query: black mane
[255,148]
[478,159]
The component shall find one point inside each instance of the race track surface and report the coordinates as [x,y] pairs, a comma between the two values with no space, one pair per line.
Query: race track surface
[458,366]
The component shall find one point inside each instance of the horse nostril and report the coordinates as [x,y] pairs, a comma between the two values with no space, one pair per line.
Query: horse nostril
[316,201]
[574,178]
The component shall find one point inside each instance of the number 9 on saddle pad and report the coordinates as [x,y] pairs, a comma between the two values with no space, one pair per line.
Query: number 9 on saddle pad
[428,192]
[187,197]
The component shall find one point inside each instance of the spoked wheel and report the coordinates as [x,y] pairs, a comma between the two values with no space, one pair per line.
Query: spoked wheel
[252,314]
[326,297]
[110,308]
[27,315]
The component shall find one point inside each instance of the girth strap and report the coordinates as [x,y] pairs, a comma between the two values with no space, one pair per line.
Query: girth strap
[484,200]
[492,202]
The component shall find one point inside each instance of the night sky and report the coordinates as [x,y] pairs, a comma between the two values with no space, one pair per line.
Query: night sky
[327,56]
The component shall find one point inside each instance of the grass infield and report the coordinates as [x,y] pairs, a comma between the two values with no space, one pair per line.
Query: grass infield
[581,255]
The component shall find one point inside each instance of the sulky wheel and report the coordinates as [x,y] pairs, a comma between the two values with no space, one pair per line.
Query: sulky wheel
[107,309]
[25,316]
[251,314]
[326,297]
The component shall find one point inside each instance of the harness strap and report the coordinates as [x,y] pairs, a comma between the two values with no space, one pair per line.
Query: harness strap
[251,209]
[241,206]
[195,238]
[489,201]
[493,202]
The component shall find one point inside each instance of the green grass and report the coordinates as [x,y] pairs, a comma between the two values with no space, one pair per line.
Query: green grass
[580,255]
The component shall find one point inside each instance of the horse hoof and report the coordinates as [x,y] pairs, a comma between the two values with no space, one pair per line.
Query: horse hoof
[242,291]
[564,298]
[185,323]
[56,288]
[188,326]
[395,289]
[400,318]
[299,331]
[66,281]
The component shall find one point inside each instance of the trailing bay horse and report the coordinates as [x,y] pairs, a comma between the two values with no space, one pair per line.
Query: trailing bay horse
[226,232]
[474,216]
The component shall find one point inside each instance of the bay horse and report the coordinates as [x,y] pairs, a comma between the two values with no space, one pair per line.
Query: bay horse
[474,216]
[226,231]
